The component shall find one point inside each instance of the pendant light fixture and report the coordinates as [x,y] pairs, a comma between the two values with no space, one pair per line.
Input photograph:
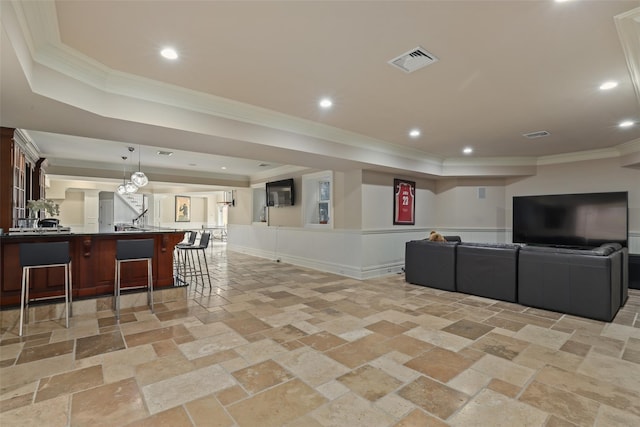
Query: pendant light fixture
[139,178]
[122,188]
[129,185]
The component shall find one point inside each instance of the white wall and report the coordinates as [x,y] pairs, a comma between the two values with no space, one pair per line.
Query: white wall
[451,206]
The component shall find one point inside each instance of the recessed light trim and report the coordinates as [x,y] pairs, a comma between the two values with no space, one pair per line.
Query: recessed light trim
[608,85]
[325,103]
[467,150]
[169,53]
[414,133]
[626,123]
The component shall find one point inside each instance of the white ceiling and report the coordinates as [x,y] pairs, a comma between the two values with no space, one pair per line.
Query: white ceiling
[245,89]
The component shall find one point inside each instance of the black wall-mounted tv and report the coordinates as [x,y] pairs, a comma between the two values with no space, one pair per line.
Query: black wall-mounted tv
[582,220]
[280,193]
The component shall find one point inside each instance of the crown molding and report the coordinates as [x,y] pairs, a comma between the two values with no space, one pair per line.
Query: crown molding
[630,147]
[24,141]
[580,156]
[628,26]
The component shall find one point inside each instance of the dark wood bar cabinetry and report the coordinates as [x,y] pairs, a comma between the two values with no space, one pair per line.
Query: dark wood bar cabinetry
[93,265]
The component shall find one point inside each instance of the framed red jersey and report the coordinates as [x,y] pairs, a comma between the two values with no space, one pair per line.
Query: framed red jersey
[404,202]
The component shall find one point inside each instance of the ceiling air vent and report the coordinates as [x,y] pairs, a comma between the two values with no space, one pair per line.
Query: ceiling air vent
[413,60]
[165,153]
[538,134]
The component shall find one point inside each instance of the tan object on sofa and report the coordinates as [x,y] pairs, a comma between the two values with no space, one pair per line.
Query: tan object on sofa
[434,236]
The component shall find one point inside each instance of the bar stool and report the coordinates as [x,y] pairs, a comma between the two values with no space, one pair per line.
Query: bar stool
[182,264]
[200,247]
[44,255]
[129,251]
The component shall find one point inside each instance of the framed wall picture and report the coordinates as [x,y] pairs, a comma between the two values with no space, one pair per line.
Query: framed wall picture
[183,208]
[324,190]
[404,202]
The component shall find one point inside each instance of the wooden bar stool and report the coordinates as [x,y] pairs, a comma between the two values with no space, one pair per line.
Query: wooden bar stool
[44,255]
[129,251]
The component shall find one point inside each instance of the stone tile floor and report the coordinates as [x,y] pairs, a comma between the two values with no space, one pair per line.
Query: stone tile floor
[277,345]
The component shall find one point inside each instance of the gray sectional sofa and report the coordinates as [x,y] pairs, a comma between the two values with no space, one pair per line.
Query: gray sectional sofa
[589,283]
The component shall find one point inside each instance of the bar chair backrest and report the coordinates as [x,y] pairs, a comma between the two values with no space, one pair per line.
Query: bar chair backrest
[128,250]
[44,254]
[204,241]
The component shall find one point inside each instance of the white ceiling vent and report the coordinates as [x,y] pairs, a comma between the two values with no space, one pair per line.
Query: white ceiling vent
[538,134]
[413,60]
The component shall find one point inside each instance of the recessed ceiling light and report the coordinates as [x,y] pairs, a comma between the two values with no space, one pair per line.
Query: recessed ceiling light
[467,150]
[608,85]
[169,53]
[626,123]
[325,103]
[165,153]
[223,168]
[414,133]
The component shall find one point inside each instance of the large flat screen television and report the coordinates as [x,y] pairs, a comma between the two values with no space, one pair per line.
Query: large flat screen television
[582,220]
[280,193]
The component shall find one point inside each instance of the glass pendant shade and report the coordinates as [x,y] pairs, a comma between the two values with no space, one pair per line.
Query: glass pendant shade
[122,189]
[139,179]
[130,187]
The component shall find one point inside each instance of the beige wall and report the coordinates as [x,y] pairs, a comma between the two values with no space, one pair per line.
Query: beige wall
[377,201]
[72,209]
[456,203]
[198,211]
[347,194]
[459,203]
[581,177]
[241,213]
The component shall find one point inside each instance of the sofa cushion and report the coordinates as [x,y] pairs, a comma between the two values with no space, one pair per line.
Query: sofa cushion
[488,270]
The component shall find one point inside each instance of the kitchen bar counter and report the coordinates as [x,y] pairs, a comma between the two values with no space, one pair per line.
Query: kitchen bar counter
[93,264]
